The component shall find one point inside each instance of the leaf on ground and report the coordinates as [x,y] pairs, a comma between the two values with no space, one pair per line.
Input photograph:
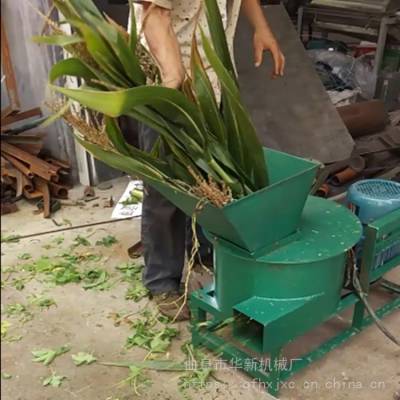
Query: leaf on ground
[54,380]
[199,372]
[11,339]
[137,292]
[65,273]
[136,379]
[83,359]
[80,241]
[9,238]
[42,302]
[147,333]
[5,326]
[4,375]
[156,365]
[47,356]
[107,241]
[95,278]
[19,283]
[24,256]
[18,310]
[58,240]
[130,271]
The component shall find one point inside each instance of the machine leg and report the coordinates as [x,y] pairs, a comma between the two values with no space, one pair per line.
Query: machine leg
[275,372]
[358,315]
[197,316]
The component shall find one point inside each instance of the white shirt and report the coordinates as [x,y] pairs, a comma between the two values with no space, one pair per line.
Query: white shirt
[184,18]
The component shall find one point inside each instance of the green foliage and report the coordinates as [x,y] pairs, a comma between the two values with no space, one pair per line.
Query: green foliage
[83,359]
[5,326]
[135,197]
[58,240]
[95,278]
[136,379]
[148,334]
[24,256]
[19,311]
[59,271]
[42,302]
[107,241]
[193,128]
[54,380]
[199,372]
[9,238]
[47,356]
[81,241]
[132,274]
[137,292]
[4,375]
[19,283]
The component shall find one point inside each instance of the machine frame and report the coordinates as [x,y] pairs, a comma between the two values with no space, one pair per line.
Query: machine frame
[378,235]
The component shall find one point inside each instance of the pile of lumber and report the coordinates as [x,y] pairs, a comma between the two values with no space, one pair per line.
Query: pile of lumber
[30,172]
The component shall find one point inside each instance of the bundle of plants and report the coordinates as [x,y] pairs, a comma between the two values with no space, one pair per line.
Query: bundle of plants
[206,148]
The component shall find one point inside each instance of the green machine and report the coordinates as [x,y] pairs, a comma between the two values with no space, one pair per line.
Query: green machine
[280,258]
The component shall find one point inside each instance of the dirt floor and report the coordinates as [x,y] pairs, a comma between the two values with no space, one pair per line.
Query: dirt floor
[93,316]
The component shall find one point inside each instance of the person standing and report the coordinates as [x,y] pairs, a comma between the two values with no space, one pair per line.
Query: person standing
[168,27]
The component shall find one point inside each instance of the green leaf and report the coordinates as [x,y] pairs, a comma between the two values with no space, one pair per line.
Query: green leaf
[58,40]
[107,241]
[54,380]
[116,137]
[95,278]
[24,256]
[103,55]
[244,145]
[81,241]
[139,168]
[83,359]
[217,32]
[205,95]
[123,55]
[42,302]
[170,103]
[4,375]
[71,67]
[137,292]
[5,326]
[157,365]
[133,39]
[9,238]
[47,356]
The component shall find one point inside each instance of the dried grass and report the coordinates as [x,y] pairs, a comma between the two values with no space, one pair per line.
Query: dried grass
[89,129]
[217,194]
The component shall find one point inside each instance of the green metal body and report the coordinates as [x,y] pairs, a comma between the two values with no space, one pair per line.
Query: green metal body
[279,261]
[276,320]
[239,222]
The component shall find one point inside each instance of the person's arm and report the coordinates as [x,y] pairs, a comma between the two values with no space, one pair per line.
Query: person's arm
[264,39]
[162,41]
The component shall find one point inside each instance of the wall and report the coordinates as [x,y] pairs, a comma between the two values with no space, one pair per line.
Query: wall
[31,65]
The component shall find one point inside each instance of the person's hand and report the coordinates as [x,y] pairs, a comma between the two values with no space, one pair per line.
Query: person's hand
[265,41]
[164,46]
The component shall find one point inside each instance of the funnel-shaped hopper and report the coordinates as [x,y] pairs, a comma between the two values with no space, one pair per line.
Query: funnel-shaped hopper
[262,218]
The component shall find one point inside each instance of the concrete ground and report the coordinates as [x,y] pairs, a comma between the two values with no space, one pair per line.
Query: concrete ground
[367,367]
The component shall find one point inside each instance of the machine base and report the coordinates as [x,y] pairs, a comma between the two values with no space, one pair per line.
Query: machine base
[276,373]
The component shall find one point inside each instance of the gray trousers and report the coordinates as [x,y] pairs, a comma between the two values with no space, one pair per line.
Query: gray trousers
[166,234]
